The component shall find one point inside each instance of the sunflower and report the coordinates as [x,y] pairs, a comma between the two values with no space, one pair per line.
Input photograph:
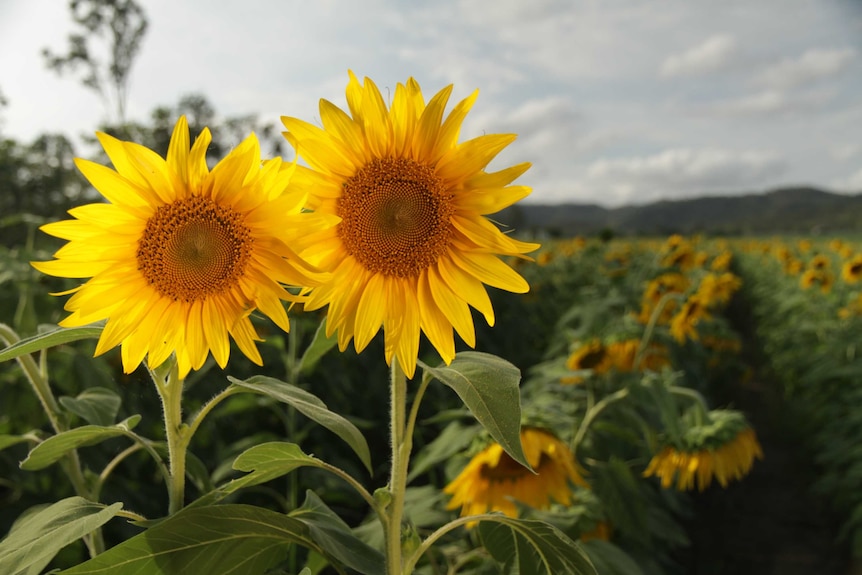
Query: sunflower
[591,355]
[492,479]
[851,271]
[683,325]
[730,461]
[413,250]
[180,255]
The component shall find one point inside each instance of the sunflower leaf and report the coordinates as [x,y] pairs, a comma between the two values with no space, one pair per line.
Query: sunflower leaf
[48,339]
[56,446]
[96,405]
[38,536]
[264,462]
[312,407]
[216,540]
[532,547]
[333,535]
[488,386]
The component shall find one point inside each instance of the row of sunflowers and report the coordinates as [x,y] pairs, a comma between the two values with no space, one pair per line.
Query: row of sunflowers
[805,298]
[616,417]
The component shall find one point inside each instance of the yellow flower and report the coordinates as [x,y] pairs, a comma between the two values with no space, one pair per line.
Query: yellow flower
[621,356]
[717,289]
[851,271]
[683,325]
[413,250]
[181,255]
[721,262]
[590,355]
[655,291]
[730,461]
[492,479]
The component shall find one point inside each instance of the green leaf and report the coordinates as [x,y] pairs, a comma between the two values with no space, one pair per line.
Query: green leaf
[36,538]
[50,339]
[319,346]
[55,447]
[96,405]
[533,547]
[488,386]
[216,540]
[264,462]
[335,537]
[312,407]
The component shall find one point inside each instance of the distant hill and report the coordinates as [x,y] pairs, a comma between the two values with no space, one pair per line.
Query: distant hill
[786,210]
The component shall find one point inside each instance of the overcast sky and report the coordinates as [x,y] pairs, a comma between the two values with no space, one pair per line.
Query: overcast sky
[614,101]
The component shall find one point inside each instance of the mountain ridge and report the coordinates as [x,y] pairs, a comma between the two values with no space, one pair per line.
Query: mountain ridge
[799,209]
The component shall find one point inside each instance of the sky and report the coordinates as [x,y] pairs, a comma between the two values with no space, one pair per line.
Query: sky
[615,102]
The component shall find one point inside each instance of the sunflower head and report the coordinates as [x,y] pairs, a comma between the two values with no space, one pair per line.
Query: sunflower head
[179,256]
[493,481]
[414,249]
[723,449]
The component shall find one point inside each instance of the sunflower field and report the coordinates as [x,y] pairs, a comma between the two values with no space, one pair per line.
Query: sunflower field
[251,367]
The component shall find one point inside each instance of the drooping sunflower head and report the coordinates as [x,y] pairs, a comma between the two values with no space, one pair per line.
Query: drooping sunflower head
[493,481]
[724,449]
[414,248]
[179,256]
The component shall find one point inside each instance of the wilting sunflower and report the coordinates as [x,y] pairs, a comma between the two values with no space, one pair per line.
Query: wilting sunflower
[590,355]
[683,325]
[492,479]
[724,449]
[413,250]
[180,255]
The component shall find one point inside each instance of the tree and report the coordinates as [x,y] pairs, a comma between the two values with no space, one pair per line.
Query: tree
[125,24]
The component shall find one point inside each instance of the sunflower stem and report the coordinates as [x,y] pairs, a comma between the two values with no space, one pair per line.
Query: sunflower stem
[401,446]
[170,391]
[592,414]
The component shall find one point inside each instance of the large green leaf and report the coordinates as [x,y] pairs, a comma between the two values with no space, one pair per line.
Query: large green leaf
[488,386]
[50,339]
[533,548]
[264,462]
[96,405]
[312,407]
[216,540]
[334,536]
[55,447]
[37,537]
[319,346]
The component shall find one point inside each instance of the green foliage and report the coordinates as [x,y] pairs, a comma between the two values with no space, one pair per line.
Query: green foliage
[56,446]
[37,536]
[218,540]
[312,407]
[532,548]
[488,386]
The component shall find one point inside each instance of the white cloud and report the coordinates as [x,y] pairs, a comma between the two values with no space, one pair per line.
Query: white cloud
[772,102]
[710,55]
[852,183]
[812,64]
[682,172]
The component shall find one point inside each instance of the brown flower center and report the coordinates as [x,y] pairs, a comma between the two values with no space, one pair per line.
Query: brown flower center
[507,469]
[395,216]
[193,248]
